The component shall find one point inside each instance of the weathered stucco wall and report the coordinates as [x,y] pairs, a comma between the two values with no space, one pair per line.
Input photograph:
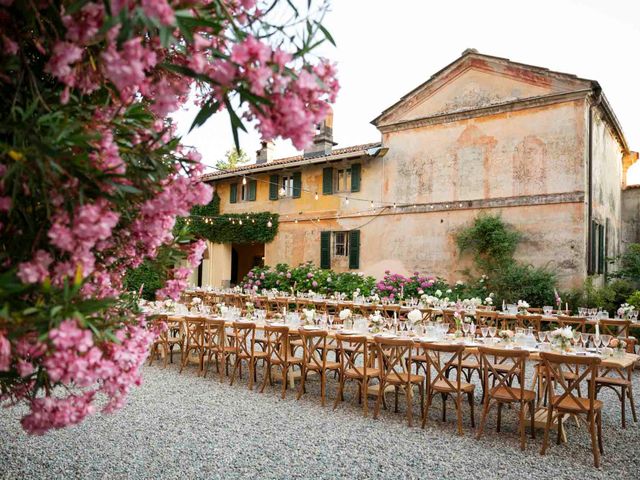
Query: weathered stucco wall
[607,183]
[630,216]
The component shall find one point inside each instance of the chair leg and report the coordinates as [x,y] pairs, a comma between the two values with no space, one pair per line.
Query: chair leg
[532,412]
[599,422]
[235,368]
[547,427]
[471,406]
[560,427]
[499,417]
[521,426]
[623,394]
[303,376]
[340,395]
[396,398]
[444,406]
[631,402]
[267,376]
[459,412]
[365,398]
[594,441]
[409,395]
[483,419]
[323,385]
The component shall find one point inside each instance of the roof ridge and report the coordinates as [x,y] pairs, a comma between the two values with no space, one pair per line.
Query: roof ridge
[290,159]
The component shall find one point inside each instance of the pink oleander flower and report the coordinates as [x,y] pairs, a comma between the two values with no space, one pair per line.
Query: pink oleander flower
[159,9]
[50,412]
[37,269]
[5,352]
[65,54]
[70,335]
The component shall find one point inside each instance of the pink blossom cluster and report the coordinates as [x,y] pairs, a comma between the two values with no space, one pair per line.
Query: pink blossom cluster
[395,285]
[174,286]
[73,359]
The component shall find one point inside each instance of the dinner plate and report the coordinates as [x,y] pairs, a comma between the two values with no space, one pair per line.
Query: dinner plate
[312,327]
[386,335]
[347,332]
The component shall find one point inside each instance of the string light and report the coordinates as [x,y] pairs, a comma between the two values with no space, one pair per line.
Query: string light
[371,204]
[240,222]
[283,192]
[244,180]
[316,196]
[295,221]
[346,202]
[394,205]
[253,220]
[269,224]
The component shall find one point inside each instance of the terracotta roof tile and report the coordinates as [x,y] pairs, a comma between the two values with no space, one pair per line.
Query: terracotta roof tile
[287,160]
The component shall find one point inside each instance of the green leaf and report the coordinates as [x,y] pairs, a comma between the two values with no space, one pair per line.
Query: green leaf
[326,33]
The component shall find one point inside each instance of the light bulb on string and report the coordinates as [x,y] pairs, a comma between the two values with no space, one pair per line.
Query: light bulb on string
[394,204]
[295,221]
[240,222]
[316,196]
[283,192]
[346,201]
[371,204]
[244,180]
[253,220]
[269,224]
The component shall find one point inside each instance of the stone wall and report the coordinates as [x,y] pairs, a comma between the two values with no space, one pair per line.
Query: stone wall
[630,215]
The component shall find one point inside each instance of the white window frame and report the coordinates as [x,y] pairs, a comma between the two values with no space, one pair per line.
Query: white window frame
[346,180]
[286,183]
[340,244]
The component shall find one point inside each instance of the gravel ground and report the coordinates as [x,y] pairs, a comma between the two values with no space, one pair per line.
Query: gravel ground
[184,426]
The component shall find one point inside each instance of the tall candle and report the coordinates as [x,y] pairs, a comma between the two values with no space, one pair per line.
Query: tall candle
[598,329]
[566,306]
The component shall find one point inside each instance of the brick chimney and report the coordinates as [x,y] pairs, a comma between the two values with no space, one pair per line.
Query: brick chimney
[265,154]
[323,140]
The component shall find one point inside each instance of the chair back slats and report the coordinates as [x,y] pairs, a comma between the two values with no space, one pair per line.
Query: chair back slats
[443,359]
[487,318]
[277,340]
[394,355]
[577,323]
[513,363]
[615,328]
[314,346]
[526,321]
[245,338]
[355,358]
[581,369]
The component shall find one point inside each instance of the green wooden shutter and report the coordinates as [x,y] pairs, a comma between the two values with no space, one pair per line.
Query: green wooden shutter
[327,181]
[253,185]
[297,184]
[592,248]
[233,193]
[606,246]
[273,187]
[354,249]
[325,250]
[600,249]
[355,177]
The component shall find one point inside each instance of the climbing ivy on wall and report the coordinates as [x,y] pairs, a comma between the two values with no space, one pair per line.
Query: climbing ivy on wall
[206,222]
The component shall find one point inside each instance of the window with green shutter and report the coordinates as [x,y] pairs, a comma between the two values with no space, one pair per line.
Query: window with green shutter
[354,249]
[327,181]
[325,250]
[355,177]
[253,185]
[297,184]
[233,193]
[591,261]
[273,187]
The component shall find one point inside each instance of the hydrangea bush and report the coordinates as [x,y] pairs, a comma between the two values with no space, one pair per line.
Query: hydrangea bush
[93,177]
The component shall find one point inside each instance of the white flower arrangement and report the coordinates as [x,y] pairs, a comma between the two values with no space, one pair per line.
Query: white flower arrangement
[376,320]
[168,303]
[562,337]
[438,293]
[196,301]
[375,298]
[344,314]
[488,301]
[309,313]
[522,306]
[415,316]
[449,290]
[429,299]
[459,283]
[625,309]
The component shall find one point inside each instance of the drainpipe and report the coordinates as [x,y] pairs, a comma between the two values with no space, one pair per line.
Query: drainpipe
[596,101]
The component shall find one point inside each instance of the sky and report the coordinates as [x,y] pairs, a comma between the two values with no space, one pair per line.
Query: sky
[386,49]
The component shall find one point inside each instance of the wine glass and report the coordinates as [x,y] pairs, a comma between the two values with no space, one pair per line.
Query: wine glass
[330,318]
[542,336]
[493,331]
[472,329]
[585,339]
[605,340]
[465,328]
[597,342]
[484,331]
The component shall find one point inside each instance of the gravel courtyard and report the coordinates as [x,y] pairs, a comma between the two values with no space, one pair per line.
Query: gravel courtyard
[184,426]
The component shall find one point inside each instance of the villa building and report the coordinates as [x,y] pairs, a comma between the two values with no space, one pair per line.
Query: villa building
[542,149]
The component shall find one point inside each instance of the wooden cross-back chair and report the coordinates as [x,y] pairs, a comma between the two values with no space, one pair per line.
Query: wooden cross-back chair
[440,383]
[193,334]
[214,342]
[502,390]
[577,323]
[314,346]
[168,337]
[615,328]
[563,399]
[278,355]
[620,380]
[526,321]
[245,350]
[357,363]
[449,319]
[487,318]
[388,311]
[394,360]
